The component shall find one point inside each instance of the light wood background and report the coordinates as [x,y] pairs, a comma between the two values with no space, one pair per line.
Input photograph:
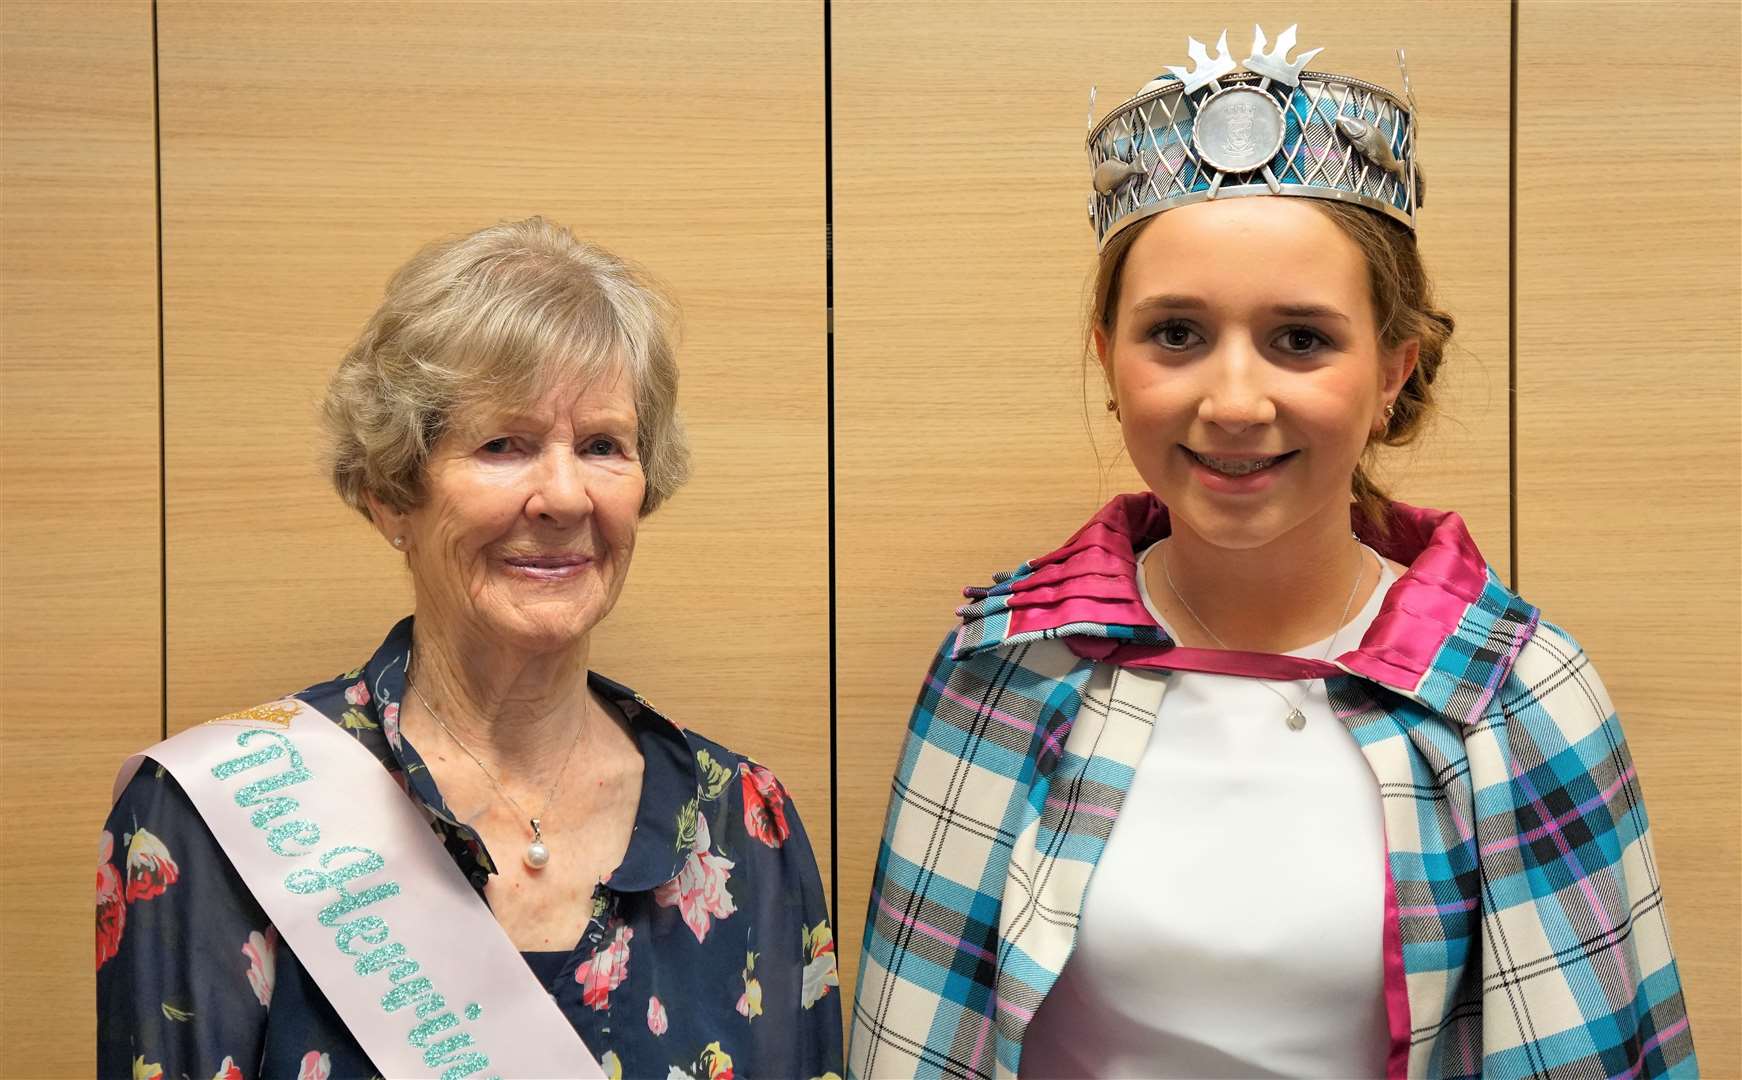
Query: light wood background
[80,584]
[308,149]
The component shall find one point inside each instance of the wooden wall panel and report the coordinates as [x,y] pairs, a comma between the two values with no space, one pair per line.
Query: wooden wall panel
[310,148]
[80,666]
[1630,423]
[966,438]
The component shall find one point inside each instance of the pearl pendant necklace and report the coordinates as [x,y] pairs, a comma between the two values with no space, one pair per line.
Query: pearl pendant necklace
[537,854]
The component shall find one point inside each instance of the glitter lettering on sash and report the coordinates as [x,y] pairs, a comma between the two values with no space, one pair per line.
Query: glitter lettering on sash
[338,879]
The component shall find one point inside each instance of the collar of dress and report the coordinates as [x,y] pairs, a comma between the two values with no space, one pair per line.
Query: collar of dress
[1445,636]
[673,769]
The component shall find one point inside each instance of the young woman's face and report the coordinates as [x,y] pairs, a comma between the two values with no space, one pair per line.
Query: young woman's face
[1247,368]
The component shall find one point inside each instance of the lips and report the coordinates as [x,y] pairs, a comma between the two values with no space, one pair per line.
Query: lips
[1236,465]
[546,568]
[545,562]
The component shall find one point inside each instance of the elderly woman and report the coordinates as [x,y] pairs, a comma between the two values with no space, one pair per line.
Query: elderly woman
[602,884]
[1260,772]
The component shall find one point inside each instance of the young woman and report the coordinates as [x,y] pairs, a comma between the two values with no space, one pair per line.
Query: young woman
[1262,773]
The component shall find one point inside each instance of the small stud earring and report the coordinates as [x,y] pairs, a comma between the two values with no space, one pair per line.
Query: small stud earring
[399,541]
[1113,407]
[1390,411]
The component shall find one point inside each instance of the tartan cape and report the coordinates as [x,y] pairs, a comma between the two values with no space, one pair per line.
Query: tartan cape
[1524,930]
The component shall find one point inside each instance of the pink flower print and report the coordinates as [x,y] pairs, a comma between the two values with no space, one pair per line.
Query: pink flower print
[764,806]
[150,870]
[656,1019]
[262,953]
[315,1066]
[750,1001]
[229,1070]
[390,724]
[606,969]
[357,693]
[699,890]
[111,906]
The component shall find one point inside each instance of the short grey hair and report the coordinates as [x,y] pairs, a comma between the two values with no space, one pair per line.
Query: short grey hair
[498,317]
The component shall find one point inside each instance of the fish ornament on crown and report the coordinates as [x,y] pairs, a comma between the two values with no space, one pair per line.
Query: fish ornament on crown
[1212,131]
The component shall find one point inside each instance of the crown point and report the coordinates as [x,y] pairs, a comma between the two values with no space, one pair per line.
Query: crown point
[1204,70]
[1273,63]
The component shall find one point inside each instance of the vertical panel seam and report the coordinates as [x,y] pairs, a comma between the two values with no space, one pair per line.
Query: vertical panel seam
[162,444]
[829,368]
[1512,310]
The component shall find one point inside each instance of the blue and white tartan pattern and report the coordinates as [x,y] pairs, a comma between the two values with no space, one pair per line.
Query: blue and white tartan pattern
[1533,936]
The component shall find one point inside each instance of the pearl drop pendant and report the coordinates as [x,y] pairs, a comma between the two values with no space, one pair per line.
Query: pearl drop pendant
[537,855]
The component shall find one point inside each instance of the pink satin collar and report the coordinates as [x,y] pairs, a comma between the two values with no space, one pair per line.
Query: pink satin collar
[1090,583]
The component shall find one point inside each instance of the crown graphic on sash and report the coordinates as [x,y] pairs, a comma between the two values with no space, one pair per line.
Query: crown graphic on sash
[1211,131]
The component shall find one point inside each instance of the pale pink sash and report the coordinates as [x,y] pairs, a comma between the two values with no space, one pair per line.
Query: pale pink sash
[349,871]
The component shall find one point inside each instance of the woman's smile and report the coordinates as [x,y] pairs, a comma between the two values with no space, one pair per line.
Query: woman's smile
[1236,474]
[543,568]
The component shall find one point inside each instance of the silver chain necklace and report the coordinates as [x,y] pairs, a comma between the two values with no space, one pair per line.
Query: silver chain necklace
[1295,719]
[536,855]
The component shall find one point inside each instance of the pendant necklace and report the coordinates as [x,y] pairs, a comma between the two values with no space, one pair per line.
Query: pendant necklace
[536,855]
[1295,719]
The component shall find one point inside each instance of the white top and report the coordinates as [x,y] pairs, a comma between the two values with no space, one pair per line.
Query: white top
[1234,925]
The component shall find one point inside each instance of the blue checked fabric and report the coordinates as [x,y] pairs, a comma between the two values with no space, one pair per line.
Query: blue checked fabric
[1529,938]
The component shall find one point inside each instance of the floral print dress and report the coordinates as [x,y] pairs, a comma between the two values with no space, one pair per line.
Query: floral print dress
[708,956]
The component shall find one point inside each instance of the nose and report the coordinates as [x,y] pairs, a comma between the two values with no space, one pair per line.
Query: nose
[559,493]
[1237,395]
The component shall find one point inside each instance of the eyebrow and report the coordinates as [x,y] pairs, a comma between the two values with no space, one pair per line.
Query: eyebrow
[1186,302]
[1309,311]
[1168,302]
[512,418]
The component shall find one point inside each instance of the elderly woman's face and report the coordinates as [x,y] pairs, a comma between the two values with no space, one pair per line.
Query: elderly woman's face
[528,523]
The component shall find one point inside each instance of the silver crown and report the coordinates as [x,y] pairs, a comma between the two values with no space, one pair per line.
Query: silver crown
[1212,131]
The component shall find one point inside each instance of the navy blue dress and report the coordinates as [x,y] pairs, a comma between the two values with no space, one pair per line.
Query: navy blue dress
[708,954]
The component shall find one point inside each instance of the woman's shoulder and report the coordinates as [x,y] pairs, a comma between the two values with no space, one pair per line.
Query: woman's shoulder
[1553,703]
[152,807]
[155,846]
[741,781]
[708,780]
[1552,670]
